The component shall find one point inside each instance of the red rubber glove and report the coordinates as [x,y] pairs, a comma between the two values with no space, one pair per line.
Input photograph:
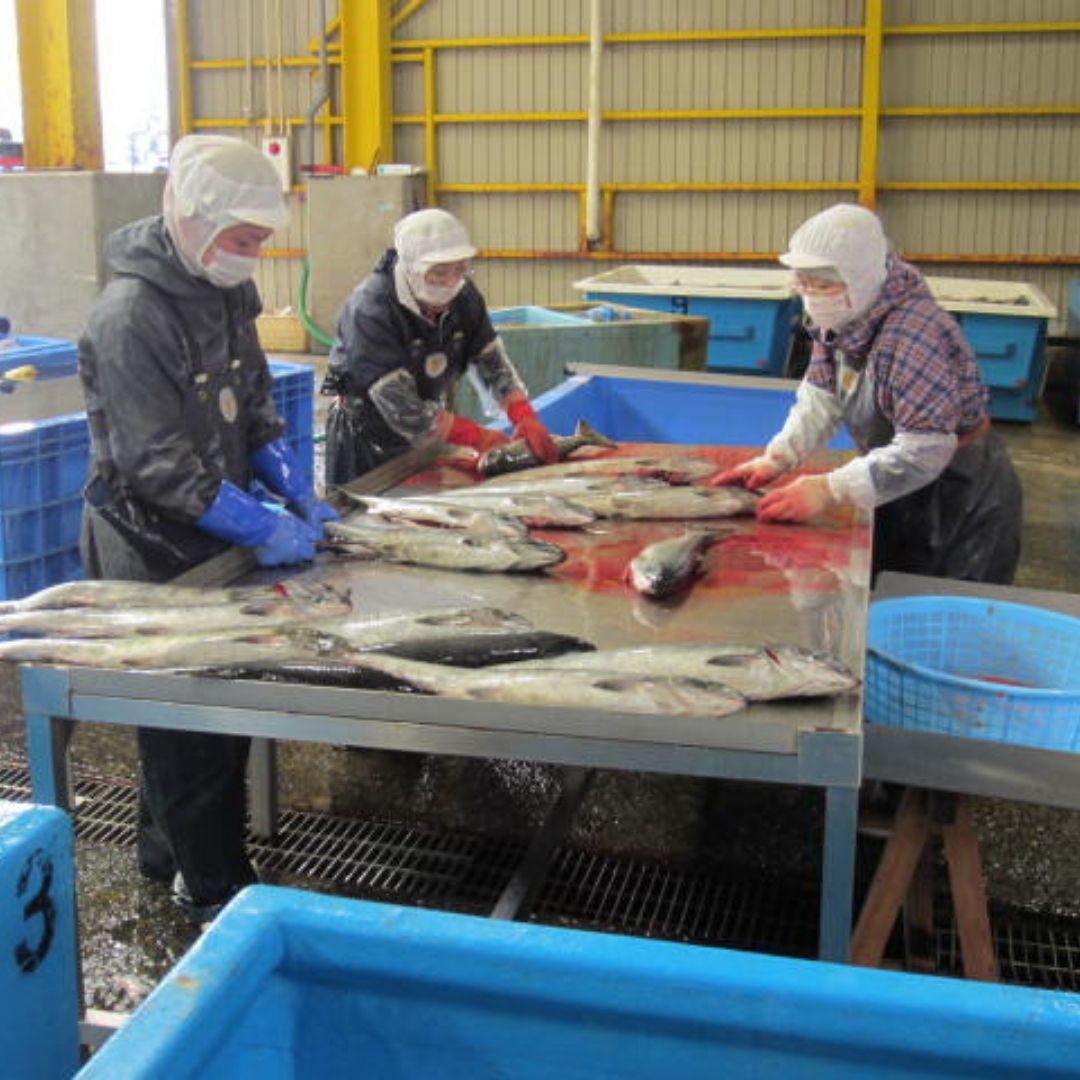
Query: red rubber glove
[799,501]
[527,426]
[752,474]
[464,432]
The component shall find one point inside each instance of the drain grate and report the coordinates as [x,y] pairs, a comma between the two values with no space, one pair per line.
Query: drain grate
[429,867]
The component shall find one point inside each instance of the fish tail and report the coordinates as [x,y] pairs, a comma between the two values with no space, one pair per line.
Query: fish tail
[584,430]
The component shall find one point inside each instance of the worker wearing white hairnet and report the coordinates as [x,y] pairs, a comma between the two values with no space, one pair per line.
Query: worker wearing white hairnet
[407,333]
[182,421]
[892,366]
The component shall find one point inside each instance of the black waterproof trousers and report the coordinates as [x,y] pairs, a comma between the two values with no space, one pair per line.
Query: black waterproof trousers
[192,786]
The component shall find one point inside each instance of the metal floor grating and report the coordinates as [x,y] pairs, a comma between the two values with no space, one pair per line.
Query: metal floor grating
[464,872]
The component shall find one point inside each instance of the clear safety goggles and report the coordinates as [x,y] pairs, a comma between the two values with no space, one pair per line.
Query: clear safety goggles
[448,273]
[823,282]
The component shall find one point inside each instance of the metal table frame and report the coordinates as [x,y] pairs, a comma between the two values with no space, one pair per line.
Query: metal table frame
[55,698]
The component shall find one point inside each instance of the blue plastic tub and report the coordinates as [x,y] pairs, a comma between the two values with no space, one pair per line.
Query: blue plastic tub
[292,984]
[39,1037]
[43,466]
[674,409]
[978,668]
[532,315]
[751,313]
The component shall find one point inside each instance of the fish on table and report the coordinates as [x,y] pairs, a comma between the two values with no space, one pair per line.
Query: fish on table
[128,594]
[444,549]
[758,672]
[674,468]
[516,455]
[520,509]
[442,513]
[668,566]
[567,687]
[668,502]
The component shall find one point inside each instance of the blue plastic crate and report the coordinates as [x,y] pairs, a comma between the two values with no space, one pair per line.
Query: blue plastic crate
[51,356]
[751,313]
[531,315]
[294,396]
[977,668]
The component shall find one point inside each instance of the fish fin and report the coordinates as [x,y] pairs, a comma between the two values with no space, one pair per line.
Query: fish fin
[584,430]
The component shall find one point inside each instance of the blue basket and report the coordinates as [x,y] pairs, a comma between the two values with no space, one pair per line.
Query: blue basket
[977,668]
[52,357]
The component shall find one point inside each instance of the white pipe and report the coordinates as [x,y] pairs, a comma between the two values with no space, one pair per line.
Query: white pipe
[592,182]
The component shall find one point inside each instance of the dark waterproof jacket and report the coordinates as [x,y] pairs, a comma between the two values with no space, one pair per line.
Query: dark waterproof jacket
[178,396]
[377,335]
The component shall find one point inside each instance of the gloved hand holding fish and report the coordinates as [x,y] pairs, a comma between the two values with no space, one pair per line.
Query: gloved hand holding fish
[521,453]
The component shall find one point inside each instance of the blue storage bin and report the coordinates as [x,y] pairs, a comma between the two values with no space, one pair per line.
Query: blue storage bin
[1005,322]
[43,466]
[672,409]
[294,397]
[978,668]
[51,356]
[751,313]
[531,315]
[38,973]
[292,984]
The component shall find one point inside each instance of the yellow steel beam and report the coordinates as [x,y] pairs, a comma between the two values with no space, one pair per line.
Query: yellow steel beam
[58,73]
[365,83]
[900,112]
[635,187]
[655,114]
[182,45]
[871,102]
[984,28]
[431,142]
[408,9]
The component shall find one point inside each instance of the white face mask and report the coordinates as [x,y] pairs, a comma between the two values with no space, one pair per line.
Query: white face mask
[227,269]
[829,311]
[434,296]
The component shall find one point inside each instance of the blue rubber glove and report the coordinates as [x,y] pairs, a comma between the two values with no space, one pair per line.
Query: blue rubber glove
[276,467]
[277,536]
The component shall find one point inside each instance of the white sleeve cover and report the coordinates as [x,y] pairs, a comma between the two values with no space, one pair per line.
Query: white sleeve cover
[813,420]
[911,461]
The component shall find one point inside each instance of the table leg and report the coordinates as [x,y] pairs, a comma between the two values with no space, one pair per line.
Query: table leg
[838,872]
[47,741]
[263,788]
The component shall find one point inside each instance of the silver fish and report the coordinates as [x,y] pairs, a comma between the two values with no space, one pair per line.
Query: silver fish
[670,502]
[540,509]
[570,687]
[146,621]
[422,511]
[668,566]
[516,455]
[675,468]
[173,651]
[128,594]
[447,550]
[758,672]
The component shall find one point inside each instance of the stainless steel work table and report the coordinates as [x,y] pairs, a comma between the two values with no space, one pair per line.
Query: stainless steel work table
[768,583]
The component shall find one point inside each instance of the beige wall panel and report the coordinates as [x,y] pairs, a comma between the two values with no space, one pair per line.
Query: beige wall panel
[932,12]
[981,70]
[539,222]
[495,18]
[640,16]
[984,149]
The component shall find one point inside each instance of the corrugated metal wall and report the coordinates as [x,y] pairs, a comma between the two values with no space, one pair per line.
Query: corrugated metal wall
[512,114]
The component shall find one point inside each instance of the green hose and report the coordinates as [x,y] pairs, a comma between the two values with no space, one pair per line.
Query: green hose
[305,315]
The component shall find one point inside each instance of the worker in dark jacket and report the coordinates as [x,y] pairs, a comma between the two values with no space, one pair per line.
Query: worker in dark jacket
[409,331]
[894,368]
[182,420]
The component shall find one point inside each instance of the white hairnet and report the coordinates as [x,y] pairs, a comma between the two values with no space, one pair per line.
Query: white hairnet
[215,183]
[426,238]
[849,240]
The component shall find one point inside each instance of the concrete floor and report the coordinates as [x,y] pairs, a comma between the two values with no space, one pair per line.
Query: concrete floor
[1031,854]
